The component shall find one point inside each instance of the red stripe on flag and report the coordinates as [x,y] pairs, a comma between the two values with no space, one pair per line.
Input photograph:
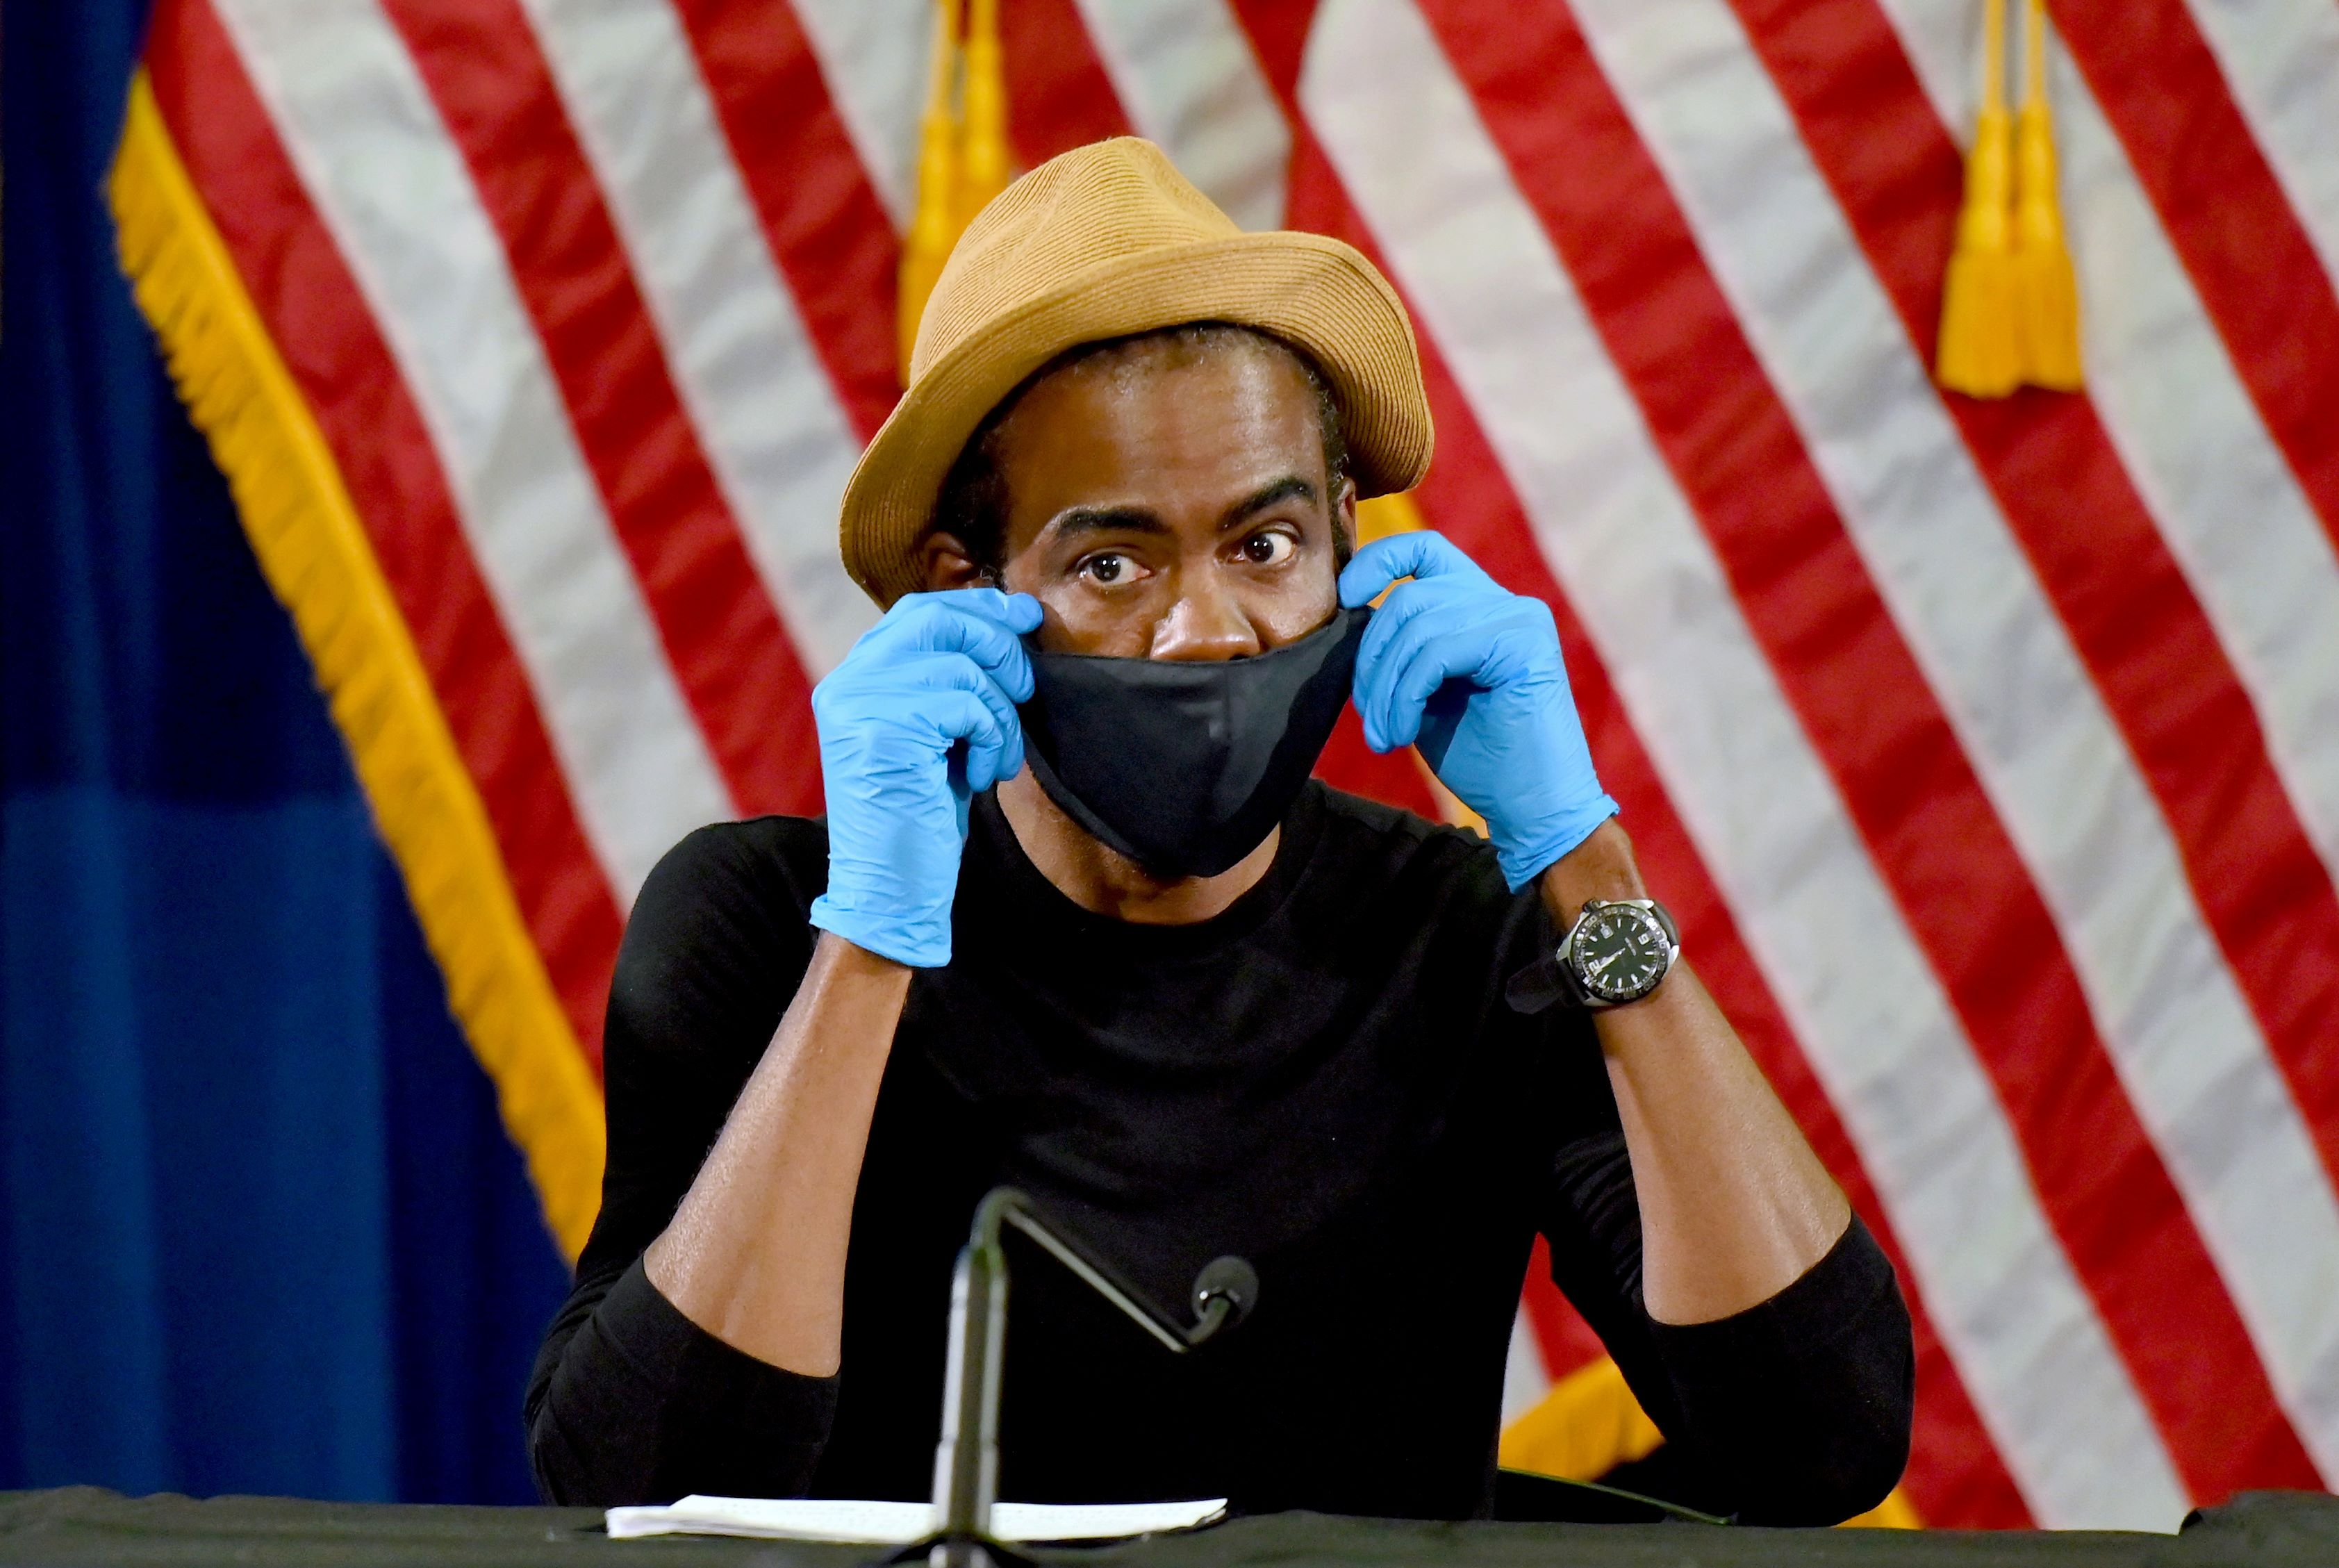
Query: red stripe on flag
[1954,1468]
[717,624]
[1058,94]
[2243,245]
[1567,1342]
[1955,1472]
[320,324]
[1956,874]
[1393,778]
[2146,640]
[822,218]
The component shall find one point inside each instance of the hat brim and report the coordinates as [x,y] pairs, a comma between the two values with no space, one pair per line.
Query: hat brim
[1313,291]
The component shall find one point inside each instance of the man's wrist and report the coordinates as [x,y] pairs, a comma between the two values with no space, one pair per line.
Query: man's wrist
[843,951]
[913,942]
[1601,867]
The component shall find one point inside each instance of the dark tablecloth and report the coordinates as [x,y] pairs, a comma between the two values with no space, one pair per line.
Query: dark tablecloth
[85,1525]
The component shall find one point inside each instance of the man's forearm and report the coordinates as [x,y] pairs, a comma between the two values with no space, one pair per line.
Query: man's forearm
[1734,1205]
[755,1253]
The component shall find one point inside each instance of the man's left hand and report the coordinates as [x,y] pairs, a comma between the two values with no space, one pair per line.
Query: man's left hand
[1471,673]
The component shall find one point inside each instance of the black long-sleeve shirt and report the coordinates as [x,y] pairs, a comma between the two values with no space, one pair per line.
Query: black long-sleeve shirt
[1323,1078]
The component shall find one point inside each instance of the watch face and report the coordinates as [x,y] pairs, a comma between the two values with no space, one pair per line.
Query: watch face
[1621,954]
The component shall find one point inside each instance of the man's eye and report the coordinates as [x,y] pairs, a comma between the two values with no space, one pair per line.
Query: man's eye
[1271,550]
[1106,567]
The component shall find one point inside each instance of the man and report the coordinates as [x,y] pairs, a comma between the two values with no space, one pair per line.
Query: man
[1076,920]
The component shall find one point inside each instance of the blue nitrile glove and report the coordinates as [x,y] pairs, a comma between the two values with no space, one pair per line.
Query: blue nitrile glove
[918,718]
[1467,670]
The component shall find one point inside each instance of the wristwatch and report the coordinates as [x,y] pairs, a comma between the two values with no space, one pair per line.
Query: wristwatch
[1618,950]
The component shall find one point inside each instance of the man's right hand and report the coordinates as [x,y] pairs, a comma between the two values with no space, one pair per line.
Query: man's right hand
[917,719]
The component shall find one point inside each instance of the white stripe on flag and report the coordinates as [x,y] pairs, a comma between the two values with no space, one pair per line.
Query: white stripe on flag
[874,56]
[1185,72]
[745,366]
[2281,62]
[2229,506]
[2185,428]
[390,184]
[1525,1381]
[1870,1013]
[2185,1045]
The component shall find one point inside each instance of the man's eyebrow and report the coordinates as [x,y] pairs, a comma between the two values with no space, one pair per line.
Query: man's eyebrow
[1105,520]
[1283,489]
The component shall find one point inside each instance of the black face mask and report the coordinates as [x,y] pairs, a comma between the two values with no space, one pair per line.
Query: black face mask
[1186,767]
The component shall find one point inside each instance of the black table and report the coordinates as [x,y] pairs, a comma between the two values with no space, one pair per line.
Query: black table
[85,1525]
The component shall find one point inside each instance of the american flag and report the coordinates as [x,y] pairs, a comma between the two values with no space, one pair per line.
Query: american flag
[1987,752]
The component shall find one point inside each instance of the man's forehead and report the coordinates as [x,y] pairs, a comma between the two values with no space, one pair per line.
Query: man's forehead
[1138,384]
[1140,358]
[1183,345]
[1253,423]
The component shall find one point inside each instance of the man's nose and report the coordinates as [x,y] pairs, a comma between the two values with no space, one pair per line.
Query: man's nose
[1205,622]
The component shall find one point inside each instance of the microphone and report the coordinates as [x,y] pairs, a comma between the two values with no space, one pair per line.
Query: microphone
[1224,1294]
[966,1458]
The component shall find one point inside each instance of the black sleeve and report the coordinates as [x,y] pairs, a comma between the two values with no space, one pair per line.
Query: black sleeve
[630,1402]
[1795,1411]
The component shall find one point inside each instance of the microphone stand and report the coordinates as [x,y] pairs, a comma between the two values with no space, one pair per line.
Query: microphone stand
[966,1459]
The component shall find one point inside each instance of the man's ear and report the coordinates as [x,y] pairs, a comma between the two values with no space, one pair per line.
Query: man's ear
[1344,520]
[948,564]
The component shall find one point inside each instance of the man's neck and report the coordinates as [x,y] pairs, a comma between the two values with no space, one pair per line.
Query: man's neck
[1104,881]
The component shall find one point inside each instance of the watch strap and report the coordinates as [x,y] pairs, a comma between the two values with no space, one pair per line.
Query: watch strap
[1540,985]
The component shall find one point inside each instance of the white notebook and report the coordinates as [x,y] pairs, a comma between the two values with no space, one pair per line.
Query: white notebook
[898,1523]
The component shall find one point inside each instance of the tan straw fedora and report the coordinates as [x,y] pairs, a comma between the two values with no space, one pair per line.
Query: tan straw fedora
[1104,240]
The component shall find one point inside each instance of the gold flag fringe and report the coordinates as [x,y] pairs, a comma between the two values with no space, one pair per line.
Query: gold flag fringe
[1980,348]
[962,160]
[1585,1428]
[317,558]
[1589,1423]
[2049,293]
[933,227]
[2009,305]
[982,169]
